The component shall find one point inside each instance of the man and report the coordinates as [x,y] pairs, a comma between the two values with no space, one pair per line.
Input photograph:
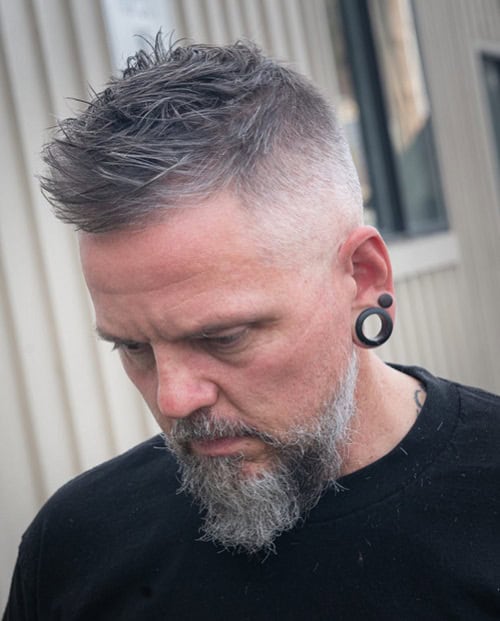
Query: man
[221,238]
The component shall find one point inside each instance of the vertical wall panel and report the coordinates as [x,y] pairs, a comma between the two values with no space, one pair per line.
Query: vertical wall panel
[273,20]
[254,28]
[20,468]
[56,36]
[299,48]
[89,42]
[194,19]
[235,19]
[316,34]
[218,31]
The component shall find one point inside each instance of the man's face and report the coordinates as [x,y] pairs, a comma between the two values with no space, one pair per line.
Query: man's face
[208,330]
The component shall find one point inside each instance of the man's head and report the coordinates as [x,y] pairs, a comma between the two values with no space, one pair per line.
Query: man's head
[221,241]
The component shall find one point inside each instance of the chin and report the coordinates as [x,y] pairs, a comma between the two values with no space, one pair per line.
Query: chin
[255,470]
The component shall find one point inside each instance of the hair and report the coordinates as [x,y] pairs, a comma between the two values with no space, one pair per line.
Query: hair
[186,123]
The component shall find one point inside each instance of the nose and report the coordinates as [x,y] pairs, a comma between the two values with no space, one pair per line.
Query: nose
[183,388]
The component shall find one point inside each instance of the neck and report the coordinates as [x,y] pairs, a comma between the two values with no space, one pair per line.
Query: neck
[388,403]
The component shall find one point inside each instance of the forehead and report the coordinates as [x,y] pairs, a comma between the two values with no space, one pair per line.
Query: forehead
[198,266]
[193,238]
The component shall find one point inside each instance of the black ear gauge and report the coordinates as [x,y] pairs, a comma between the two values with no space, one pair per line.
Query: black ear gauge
[385,300]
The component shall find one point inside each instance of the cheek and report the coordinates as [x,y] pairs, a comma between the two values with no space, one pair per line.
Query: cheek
[296,373]
[144,381]
[319,347]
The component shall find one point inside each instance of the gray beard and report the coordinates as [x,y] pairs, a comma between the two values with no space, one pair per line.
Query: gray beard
[247,513]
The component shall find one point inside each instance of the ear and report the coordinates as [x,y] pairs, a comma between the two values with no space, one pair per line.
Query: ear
[364,256]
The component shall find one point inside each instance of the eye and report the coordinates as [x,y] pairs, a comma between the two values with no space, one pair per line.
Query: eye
[136,356]
[225,341]
[132,348]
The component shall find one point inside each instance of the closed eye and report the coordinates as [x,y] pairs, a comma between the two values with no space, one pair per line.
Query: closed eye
[131,347]
[225,341]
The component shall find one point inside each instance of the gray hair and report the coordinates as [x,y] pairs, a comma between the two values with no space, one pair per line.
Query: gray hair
[185,123]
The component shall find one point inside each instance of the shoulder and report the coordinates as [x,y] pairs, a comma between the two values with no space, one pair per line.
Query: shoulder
[465,426]
[141,477]
[466,399]
[479,425]
[122,475]
[463,419]
[478,400]
[106,520]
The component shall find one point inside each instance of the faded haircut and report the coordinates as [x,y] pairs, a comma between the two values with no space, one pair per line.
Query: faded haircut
[185,123]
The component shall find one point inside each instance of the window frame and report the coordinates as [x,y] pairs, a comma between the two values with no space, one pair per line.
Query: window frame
[393,219]
[488,50]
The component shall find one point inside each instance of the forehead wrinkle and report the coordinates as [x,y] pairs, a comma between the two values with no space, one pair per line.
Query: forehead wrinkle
[148,281]
[175,322]
[126,331]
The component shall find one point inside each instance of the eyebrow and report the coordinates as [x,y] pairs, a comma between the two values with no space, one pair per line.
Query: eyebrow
[205,330]
[110,338]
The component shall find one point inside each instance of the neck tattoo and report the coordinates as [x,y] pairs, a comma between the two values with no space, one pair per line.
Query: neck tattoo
[419,398]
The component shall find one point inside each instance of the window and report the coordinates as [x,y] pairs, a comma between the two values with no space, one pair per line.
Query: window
[491,68]
[385,108]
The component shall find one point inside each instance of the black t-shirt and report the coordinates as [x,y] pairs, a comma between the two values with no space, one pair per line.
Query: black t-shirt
[413,536]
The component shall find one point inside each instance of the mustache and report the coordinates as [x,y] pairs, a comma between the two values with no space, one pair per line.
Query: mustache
[205,425]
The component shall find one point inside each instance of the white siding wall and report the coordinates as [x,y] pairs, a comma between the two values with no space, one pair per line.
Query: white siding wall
[66,404]
[451,33]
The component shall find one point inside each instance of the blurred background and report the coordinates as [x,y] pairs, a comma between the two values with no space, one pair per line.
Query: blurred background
[417,86]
